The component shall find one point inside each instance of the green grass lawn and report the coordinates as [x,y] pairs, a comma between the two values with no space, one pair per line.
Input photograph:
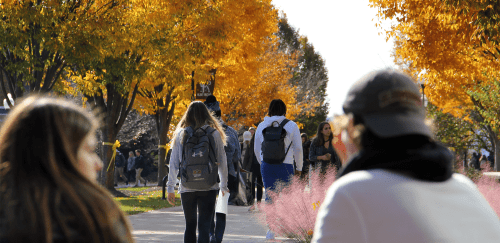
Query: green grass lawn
[146,202]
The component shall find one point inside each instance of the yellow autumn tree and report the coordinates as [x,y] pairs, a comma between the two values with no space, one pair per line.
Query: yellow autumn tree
[40,40]
[202,39]
[447,49]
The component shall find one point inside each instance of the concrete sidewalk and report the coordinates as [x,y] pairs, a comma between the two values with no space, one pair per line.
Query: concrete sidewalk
[167,225]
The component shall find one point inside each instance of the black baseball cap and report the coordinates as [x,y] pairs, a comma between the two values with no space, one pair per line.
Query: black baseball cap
[389,103]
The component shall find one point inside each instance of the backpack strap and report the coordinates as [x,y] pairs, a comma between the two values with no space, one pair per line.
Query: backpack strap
[188,132]
[283,123]
[209,130]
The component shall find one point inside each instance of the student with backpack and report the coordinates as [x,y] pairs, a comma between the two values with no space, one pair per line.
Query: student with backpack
[277,143]
[198,154]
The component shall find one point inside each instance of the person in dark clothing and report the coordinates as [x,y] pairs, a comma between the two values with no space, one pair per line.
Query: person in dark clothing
[250,161]
[491,159]
[306,144]
[119,167]
[321,152]
[474,162]
[140,163]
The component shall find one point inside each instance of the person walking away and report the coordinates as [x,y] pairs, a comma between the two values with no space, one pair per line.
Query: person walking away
[277,143]
[48,177]
[398,184]
[233,154]
[474,162]
[321,152]
[198,152]
[247,136]
[131,166]
[306,144]
[119,166]
[250,160]
[139,167]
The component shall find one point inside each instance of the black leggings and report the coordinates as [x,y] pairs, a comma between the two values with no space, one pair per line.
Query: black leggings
[217,229]
[192,202]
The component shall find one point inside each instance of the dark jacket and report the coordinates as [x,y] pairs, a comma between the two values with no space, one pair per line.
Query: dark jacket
[249,158]
[305,150]
[119,160]
[140,162]
[315,151]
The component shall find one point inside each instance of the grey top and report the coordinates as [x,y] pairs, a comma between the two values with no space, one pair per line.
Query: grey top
[176,157]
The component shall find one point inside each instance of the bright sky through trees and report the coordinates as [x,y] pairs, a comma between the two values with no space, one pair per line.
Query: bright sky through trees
[345,36]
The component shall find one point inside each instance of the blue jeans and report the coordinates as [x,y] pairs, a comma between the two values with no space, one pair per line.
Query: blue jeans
[273,173]
[192,202]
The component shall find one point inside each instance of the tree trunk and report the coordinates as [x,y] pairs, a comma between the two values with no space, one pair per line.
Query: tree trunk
[496,166]
[115,108]
[163,119]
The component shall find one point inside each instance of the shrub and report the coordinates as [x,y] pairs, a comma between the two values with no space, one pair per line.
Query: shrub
[293,210]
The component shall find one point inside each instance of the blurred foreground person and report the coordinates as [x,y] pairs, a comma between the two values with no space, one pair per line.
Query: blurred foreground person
[48,171]
[399,186]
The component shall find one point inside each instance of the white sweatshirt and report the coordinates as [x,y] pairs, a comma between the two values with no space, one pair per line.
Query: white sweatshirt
[381,206]
[292,135]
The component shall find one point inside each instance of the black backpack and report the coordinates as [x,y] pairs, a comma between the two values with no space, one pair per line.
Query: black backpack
[273,147]
[198,169]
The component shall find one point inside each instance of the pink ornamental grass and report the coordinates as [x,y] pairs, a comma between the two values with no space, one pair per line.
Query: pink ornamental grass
[488,186]
[293,210]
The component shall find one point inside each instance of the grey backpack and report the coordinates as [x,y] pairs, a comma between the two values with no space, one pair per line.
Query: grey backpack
[198,169]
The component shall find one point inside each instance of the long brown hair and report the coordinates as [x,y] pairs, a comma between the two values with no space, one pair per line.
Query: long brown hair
[197,115]
[44,196]
[319,140]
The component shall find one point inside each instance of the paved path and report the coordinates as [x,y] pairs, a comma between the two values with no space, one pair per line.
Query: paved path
[167,225]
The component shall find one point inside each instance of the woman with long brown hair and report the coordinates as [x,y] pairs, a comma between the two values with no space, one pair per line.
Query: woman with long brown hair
[321,152]
[198,203]
[48,171]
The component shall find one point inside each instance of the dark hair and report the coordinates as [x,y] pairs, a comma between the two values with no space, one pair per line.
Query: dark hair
[277,108]
[43,192]
[320,140]
[303,135]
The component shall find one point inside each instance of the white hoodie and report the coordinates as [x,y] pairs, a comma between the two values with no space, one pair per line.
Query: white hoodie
[292,134]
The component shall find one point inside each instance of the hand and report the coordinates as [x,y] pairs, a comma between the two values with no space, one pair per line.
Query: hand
[224,193]
[299,173]
[171,198]
[328,156]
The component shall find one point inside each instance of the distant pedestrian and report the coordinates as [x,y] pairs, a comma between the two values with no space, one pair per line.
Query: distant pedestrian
[474,161]
[399,185]
[277,143]
[120,163]
[247,136]
[199,138]
[131,166]
[233,155]
[48,177]
[252,130]
[250,161]
[321,153]
[140,163]
[306,144]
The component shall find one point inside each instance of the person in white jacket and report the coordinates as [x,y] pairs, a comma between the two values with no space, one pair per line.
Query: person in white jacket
[281,172]
[271,173]
[399,185]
